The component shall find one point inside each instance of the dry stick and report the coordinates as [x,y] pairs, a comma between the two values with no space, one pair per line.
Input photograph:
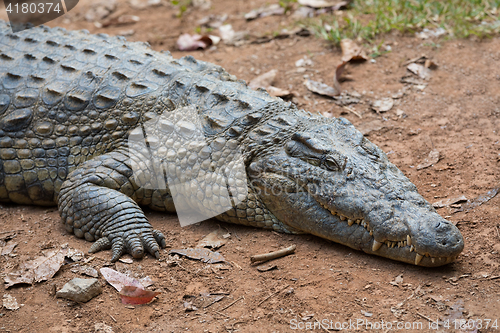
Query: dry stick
[425,317]
[498,234]
[239,298]
[273,255]
[353,111]
[8,231]
[273,294]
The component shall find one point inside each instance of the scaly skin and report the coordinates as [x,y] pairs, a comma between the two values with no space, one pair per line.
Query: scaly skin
[69,102]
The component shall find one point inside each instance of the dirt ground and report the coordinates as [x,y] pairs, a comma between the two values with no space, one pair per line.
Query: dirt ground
[457,113]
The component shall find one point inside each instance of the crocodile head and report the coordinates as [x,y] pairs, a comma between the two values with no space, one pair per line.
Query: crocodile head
[327,179]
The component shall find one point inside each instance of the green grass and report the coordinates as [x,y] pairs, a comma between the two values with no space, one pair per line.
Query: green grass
[366,19]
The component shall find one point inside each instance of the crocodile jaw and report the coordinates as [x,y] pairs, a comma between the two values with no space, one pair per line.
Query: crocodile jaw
[420,243]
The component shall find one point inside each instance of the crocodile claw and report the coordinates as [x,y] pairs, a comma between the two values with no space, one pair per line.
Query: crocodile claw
[133,243]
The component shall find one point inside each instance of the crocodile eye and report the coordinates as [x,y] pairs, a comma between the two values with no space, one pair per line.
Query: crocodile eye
[331,164]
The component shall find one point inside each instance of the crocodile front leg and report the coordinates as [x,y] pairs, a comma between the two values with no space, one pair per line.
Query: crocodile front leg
[99,201]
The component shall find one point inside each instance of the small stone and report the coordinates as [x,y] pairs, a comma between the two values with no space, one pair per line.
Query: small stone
[102,328]
[80,290]
[10,302]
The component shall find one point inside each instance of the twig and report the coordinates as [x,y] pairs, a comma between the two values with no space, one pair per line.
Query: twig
[425,317]
[498,234]
[9,231]
[273,294]
[273,255]
[113,318]
[239,298]
[222,314]
[494,277]
[353,111]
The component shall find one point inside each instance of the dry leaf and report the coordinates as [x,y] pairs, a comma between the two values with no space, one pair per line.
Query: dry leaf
[273,9]
[420,70]
[40,269]
[121,20]
[432,159]
[479,200]
[7,249]
[321,88]
[119,280]
[265,268]
[352,51]
[449,201]
[213,240]
[187,42]
[202,254]
[136,295]
[324,4]
[383,104]
[263,80]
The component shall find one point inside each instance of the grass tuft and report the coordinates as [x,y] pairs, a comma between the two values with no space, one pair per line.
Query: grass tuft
[369,18]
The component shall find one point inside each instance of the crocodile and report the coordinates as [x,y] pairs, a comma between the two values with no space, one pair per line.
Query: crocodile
[71,101]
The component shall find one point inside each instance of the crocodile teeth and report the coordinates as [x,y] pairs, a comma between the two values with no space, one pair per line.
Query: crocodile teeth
[371,232]
[433,260]
[408,240]
[376,245]
[412,248]
[418,258]
[359,221]
[350,222]
[333,212]
[343,218]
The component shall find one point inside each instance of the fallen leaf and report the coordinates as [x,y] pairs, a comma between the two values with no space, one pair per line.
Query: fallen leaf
[121,20]
[265,268]
[119,280]
[397,280]
[127,260]
[143,4]
[430,64]
[7,249]
[420,70]
[352,51]
[411,79]
[187,42]
[188,306]
[146,281]
[263,80]
[202,254]
[366,313]
[136,295]
[383,104]
[100,10]
[213,240]
[324,4]
[40,269]
[213,21]
[446,202]
[426,33]
[85,270]
[273,9]
[231,37]
[432,159]
[305,61]
[321,88]
[278,92]
[372,126]
[479,200]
